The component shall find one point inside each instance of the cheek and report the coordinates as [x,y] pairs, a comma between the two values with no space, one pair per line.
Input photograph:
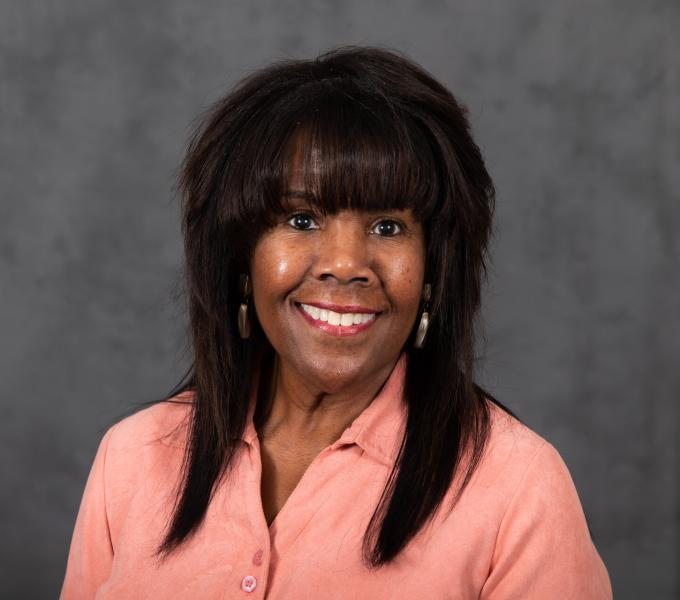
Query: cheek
[404,280]
[275,268]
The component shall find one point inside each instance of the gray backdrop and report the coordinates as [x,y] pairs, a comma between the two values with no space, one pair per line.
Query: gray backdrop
[575,104]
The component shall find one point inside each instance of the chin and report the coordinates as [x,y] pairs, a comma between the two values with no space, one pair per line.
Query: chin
[332,374]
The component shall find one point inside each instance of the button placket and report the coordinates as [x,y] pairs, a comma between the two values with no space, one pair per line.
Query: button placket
[249,582]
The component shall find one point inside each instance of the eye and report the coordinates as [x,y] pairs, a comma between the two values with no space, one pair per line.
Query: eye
[302,222]
[387,228]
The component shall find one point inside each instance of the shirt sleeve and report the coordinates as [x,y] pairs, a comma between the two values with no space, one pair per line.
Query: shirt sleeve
[543,549]
[91,553]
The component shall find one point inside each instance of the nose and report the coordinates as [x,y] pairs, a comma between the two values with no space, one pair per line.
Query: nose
[343,252]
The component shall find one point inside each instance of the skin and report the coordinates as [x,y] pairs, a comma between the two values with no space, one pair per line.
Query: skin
[323,382]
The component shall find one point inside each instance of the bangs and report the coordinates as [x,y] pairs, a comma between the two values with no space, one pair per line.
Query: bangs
[353,158]
[357,151]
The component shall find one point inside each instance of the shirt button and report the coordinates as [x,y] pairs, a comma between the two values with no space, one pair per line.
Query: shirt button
[249,583]
[257,558]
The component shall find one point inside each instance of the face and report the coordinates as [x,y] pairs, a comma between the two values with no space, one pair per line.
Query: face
[337,295]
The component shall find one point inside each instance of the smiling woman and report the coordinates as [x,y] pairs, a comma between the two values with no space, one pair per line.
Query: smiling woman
[330,440]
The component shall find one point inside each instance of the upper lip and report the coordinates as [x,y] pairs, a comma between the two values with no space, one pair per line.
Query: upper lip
[342,308]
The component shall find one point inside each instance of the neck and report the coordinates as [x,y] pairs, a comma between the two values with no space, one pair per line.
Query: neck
[301,409]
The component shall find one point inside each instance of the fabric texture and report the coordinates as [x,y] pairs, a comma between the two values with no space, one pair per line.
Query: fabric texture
[517,532]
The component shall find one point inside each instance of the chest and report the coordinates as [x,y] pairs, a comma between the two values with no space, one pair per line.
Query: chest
[282,471]
[312,550]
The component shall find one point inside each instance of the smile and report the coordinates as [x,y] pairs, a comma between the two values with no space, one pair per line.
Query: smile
[335,322]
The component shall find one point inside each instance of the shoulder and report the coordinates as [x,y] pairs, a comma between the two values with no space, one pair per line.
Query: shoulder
[530,481]
[137,464]
[520,471]
[512,448]
[147,444]
[508,431]
[528,466]
[541,537]
[165,424]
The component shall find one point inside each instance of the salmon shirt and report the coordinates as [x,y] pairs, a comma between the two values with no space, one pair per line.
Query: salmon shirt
[517,532]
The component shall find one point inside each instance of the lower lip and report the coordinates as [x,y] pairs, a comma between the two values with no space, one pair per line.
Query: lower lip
[335,329]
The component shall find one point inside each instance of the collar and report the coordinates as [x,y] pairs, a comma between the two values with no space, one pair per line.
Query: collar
[378,430]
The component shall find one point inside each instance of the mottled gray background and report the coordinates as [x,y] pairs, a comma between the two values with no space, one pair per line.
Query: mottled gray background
[576,106]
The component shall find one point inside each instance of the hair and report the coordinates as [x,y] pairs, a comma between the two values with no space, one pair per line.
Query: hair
[382,134]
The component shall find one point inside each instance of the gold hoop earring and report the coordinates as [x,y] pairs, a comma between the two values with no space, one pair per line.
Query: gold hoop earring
[243,321]
[424,318]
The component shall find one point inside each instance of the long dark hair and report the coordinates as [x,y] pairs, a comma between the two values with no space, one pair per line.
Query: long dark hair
[382,134]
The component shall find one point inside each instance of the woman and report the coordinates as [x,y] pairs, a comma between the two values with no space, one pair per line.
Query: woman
[329,441]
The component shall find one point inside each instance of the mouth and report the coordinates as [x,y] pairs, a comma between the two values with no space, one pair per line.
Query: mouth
[338,320]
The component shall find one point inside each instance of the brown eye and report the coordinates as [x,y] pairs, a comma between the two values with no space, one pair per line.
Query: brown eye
[387,228]
[302,222]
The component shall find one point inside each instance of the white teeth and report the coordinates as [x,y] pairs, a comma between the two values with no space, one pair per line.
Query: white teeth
[347,319]
[335,318]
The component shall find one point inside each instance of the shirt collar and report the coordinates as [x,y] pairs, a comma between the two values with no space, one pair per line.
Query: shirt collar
[378,430]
